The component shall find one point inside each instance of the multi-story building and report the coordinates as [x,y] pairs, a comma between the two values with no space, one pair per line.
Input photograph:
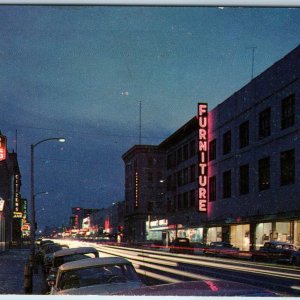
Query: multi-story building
[247,174]
[11,214]
[144,189]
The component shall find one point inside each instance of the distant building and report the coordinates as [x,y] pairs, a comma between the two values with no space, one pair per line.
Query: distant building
[144,189]
[10,197]
[251,183]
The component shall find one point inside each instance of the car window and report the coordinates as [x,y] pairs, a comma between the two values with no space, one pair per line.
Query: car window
[97,275]
[68,258]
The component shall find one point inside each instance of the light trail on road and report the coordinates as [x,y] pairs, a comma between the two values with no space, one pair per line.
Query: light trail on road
[173,267]
[252,269]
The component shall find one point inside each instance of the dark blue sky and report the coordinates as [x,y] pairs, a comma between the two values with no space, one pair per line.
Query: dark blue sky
[80,72]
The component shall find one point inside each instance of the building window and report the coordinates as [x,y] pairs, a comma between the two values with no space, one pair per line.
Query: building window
[213,149]
[185,152]
[174,203]
[264,173]
[227,142]
[287,167]
[179,202]
[212,189]
[150,206]
[192,173]
[171,160]
[244,179]
[192,148]
[150,162]
[185,200]
[227,184]
[244,134]
[265,123]
[185,176]
[179,155]
[192,198]
[150,176]
[288,112]
[179,178]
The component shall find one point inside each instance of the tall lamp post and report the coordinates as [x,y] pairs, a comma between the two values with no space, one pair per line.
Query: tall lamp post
[32,195]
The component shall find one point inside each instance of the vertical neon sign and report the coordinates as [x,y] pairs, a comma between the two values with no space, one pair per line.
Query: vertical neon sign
[17,205]
[2,147]
[202,156]
[136,204]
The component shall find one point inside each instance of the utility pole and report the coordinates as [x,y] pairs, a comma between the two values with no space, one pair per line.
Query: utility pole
[252,68]
[140,124]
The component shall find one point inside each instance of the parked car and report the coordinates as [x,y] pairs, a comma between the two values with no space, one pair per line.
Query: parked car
[98,276]
[200,288]
[221,249]
[48,255]
[295,258]
[40,250]
[274,251]
[181,245]
[68,255]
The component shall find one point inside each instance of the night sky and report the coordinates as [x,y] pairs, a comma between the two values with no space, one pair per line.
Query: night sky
[80,72]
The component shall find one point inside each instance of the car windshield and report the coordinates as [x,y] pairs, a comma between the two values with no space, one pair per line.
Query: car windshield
[68,258]
[97,275]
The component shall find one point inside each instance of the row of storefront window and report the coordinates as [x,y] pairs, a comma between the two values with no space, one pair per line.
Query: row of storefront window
[237,235]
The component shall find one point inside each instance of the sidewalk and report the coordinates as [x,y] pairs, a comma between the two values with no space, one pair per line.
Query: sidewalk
[12,263]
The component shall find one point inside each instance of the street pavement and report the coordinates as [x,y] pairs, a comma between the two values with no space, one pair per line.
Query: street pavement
[12,264]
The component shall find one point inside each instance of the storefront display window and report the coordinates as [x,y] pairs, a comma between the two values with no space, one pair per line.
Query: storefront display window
[214,234]
[263,234]
[297,233]
[240,236]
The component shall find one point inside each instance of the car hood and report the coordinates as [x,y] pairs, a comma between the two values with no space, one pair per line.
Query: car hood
[200,288]
[103,289]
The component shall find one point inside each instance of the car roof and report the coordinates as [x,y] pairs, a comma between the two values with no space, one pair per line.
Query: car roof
[71,251]
[279,243]
[93,262]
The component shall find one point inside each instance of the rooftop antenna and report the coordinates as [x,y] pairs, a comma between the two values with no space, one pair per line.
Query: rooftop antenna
[253,51]
[16,141]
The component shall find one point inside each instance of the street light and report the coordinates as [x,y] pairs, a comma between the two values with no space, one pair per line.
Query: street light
[32,195]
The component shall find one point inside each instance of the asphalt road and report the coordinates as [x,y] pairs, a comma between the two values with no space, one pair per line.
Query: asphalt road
[157,267]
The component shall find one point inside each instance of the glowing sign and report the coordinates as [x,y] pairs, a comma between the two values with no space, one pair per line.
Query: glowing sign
[202,150]
[136,189]
[17,215]
[2,147]
[24,209]
[1,204]
[17,204]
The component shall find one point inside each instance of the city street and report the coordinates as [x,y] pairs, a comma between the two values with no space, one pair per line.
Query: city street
[150,148]
[163,267]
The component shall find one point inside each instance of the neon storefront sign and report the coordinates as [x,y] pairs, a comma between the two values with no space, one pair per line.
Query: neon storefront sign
[2,147]
[202,152]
